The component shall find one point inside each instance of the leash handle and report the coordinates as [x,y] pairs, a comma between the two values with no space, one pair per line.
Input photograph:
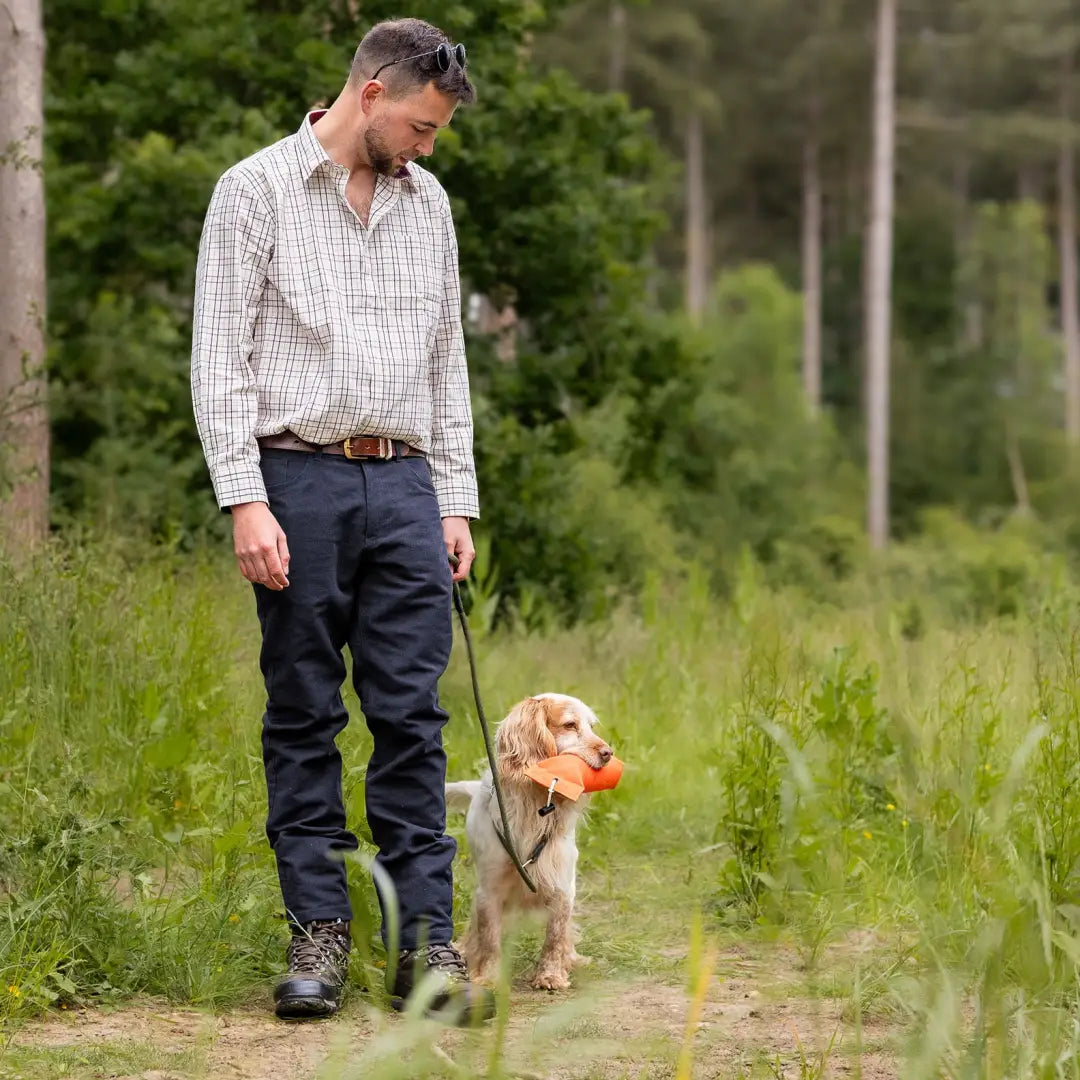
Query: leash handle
[504,836]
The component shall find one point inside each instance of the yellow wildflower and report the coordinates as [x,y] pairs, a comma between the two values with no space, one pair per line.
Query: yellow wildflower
[889,806]
[234,918]
[868,835]
[14,991]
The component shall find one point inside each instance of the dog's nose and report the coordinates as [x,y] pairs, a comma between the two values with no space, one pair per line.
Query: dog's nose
[605,754]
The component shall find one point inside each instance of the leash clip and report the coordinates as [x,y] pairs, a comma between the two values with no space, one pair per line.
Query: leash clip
[549,808]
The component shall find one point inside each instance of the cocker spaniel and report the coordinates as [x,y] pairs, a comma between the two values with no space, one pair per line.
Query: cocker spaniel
[536,728]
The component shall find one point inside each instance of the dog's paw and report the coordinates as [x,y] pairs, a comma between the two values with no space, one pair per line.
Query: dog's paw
[577,960]
[551,980]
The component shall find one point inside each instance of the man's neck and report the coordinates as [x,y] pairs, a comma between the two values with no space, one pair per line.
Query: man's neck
[339,139]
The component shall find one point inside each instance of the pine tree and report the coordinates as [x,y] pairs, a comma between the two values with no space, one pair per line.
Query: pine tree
[24,431]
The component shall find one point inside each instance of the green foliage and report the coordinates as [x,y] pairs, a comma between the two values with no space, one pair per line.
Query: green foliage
[619,438]
[794,769]
[551,189]
[970,574]
[730,442]
[701,446]
[750,826]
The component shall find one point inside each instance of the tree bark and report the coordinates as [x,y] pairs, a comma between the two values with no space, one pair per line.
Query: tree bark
[697,218]
[1070,316]
[24,428]
[617,59]
[879,275]
[969,310]
[1016,470]
[811,260]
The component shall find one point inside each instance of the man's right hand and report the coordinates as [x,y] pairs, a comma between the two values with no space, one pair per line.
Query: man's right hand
[259,543]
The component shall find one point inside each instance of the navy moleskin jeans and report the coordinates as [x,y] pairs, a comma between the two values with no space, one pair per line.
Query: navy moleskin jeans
[368,571]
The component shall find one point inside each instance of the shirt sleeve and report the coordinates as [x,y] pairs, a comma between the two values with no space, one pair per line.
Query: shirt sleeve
[451,458]
[237,241]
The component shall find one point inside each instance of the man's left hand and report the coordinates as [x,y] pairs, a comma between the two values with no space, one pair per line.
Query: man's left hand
[459,542]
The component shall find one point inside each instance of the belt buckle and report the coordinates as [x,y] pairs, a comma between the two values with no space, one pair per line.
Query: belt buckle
[386,449]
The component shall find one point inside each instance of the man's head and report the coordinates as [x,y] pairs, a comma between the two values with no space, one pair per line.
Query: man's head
[405,94]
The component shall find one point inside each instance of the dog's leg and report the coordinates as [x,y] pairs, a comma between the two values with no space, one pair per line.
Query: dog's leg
[556,957]
[576,958]
[482,939]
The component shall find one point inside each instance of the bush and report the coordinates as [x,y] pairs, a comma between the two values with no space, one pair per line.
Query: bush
[971,574]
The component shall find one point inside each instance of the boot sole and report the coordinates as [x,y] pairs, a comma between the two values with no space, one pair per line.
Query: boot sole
[305,1008]
[448,1014]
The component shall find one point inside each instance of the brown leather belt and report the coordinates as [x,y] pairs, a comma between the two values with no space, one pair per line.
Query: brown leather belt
[359,447]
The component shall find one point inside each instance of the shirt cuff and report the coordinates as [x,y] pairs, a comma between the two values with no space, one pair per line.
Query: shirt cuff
[239,484]
[454,501]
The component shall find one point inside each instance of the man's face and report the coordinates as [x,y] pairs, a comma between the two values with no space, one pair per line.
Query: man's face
[404,129]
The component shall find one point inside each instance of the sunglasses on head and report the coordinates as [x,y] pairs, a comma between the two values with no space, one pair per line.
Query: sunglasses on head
[443,55]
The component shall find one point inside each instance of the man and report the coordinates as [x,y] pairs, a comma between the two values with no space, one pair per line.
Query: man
[332,400]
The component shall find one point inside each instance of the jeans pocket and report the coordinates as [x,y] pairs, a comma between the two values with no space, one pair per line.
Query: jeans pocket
[420,474]
[281,469]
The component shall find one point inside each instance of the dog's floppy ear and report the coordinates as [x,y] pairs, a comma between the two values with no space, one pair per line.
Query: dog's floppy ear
[523,737]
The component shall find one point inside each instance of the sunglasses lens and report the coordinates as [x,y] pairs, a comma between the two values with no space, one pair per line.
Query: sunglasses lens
[459,54]
[442,57]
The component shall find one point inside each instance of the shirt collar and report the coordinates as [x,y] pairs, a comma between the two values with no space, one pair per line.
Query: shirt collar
[313,153]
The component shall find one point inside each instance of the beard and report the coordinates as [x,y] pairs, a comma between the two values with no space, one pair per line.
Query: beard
[378,152]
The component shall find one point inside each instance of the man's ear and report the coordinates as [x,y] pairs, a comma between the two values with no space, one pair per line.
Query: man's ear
[371,93]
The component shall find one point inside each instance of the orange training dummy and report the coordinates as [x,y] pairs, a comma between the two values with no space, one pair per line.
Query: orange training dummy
[572,776]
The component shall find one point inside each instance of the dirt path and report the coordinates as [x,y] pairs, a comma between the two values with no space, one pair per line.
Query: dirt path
[753,1023]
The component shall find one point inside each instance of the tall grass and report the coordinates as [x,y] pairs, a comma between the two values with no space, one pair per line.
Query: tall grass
[796,769]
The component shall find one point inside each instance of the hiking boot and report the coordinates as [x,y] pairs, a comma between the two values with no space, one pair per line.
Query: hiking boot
[318,958]
[457,1001]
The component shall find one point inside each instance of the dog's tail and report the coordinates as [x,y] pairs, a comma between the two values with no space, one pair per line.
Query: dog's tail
[461,794]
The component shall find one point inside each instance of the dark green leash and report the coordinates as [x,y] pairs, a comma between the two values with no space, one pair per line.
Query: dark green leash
[504,836]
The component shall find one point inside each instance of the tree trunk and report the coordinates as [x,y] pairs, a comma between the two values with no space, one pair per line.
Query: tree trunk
[1070,317]
[1029,183]
[24,428]
[879,275]
[855,191]
[1016,470]
[811,259]
[969,310]
[617,59]
[697,218]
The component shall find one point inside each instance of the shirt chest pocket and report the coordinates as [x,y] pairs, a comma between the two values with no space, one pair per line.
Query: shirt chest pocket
[408,266]
[296,276]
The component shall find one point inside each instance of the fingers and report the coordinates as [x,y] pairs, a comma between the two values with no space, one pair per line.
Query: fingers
[465,553]
[264,565]
[283,553]
[277,578]
[261,549]
[461,548]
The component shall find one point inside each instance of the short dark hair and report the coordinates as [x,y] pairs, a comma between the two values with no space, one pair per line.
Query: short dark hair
[399,38]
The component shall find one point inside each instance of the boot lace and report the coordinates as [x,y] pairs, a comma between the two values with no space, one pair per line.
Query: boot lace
[318,949]
[445,958]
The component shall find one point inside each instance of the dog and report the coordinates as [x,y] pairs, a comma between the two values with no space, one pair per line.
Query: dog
[536,728]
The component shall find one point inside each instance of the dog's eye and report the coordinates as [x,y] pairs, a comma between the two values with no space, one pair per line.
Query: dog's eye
[570,725]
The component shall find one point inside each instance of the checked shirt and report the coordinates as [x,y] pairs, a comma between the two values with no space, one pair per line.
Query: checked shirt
[306,320]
